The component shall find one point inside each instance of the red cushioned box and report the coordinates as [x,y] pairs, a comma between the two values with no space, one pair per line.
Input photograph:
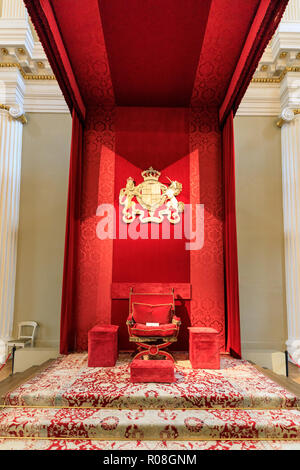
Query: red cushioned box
[152,371]
[204,349]
[103,346]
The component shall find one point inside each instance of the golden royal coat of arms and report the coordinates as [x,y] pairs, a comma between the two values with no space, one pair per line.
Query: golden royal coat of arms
[154,198]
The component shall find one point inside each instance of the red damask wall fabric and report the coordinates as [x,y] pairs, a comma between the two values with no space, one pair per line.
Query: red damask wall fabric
[207,264]
[165,138]
[233,343]
[94,255]
[157,137]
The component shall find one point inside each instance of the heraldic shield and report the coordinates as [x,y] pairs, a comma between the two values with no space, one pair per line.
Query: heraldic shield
[151,200]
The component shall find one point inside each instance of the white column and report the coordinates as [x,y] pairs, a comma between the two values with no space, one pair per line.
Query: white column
[13,9]
[292,12]
[10,173]
[290,148]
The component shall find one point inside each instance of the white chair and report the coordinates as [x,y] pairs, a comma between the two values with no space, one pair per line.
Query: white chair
[24,340]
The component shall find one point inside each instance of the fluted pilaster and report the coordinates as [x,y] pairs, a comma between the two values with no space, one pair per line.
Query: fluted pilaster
[13,9]
[290,143]
[10,173]
[292,12]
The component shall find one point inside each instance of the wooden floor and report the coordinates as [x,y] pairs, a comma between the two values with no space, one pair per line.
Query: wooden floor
[294,373]
[6,371]
[9,382]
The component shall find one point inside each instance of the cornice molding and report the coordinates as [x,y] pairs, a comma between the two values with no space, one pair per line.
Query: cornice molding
[261,99]
[27,76]
[44,97]
[276,82]
[276,79]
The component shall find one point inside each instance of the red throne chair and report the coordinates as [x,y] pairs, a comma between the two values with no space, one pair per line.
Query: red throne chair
[152,323]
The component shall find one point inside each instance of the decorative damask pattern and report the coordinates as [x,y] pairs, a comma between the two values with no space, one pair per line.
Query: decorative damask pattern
[149,424]
[89,61]
[94,275]
[207,265]
[220,52]
[70,382]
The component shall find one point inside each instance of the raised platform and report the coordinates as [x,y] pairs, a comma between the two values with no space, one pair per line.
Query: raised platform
[70,382]
[71,406]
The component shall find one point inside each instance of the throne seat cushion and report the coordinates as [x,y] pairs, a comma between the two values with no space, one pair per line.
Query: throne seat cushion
[148,313]
[140,329]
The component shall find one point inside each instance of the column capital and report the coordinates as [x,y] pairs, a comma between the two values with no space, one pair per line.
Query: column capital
[12,86]
[15,111]
[287,115]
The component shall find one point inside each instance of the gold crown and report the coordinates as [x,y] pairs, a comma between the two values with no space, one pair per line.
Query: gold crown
[151,174]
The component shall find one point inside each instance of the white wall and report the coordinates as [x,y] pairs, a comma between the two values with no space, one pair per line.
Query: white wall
[44,184]
[260,232]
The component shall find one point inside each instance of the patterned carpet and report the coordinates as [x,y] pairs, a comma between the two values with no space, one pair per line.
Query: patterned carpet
[147,425]
[70,382]
[71,406]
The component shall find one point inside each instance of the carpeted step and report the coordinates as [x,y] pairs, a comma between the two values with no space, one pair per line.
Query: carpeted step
[146,425]
[73,444]
[70,382]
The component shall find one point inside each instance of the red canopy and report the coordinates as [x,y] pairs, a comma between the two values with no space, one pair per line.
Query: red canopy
[158,53]
[154,53]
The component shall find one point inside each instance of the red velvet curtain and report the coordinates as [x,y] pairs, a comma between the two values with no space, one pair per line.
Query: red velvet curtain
[233,343]
[67,333]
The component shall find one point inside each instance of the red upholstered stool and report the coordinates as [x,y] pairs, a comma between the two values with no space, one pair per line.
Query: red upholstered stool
[103,346]
[204,348]
[152,371]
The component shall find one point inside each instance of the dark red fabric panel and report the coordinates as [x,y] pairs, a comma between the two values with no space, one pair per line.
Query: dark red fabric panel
[207,264]
[233,343]
[43,18]
[145,137]
[153,49]
[253,32]
[68,304]
[157,137]
[98,139]
[84,41]
[227,28]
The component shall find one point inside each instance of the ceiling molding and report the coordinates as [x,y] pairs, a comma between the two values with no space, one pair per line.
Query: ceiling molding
[26,76]
[44,97]
[261,99]
[276,82]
